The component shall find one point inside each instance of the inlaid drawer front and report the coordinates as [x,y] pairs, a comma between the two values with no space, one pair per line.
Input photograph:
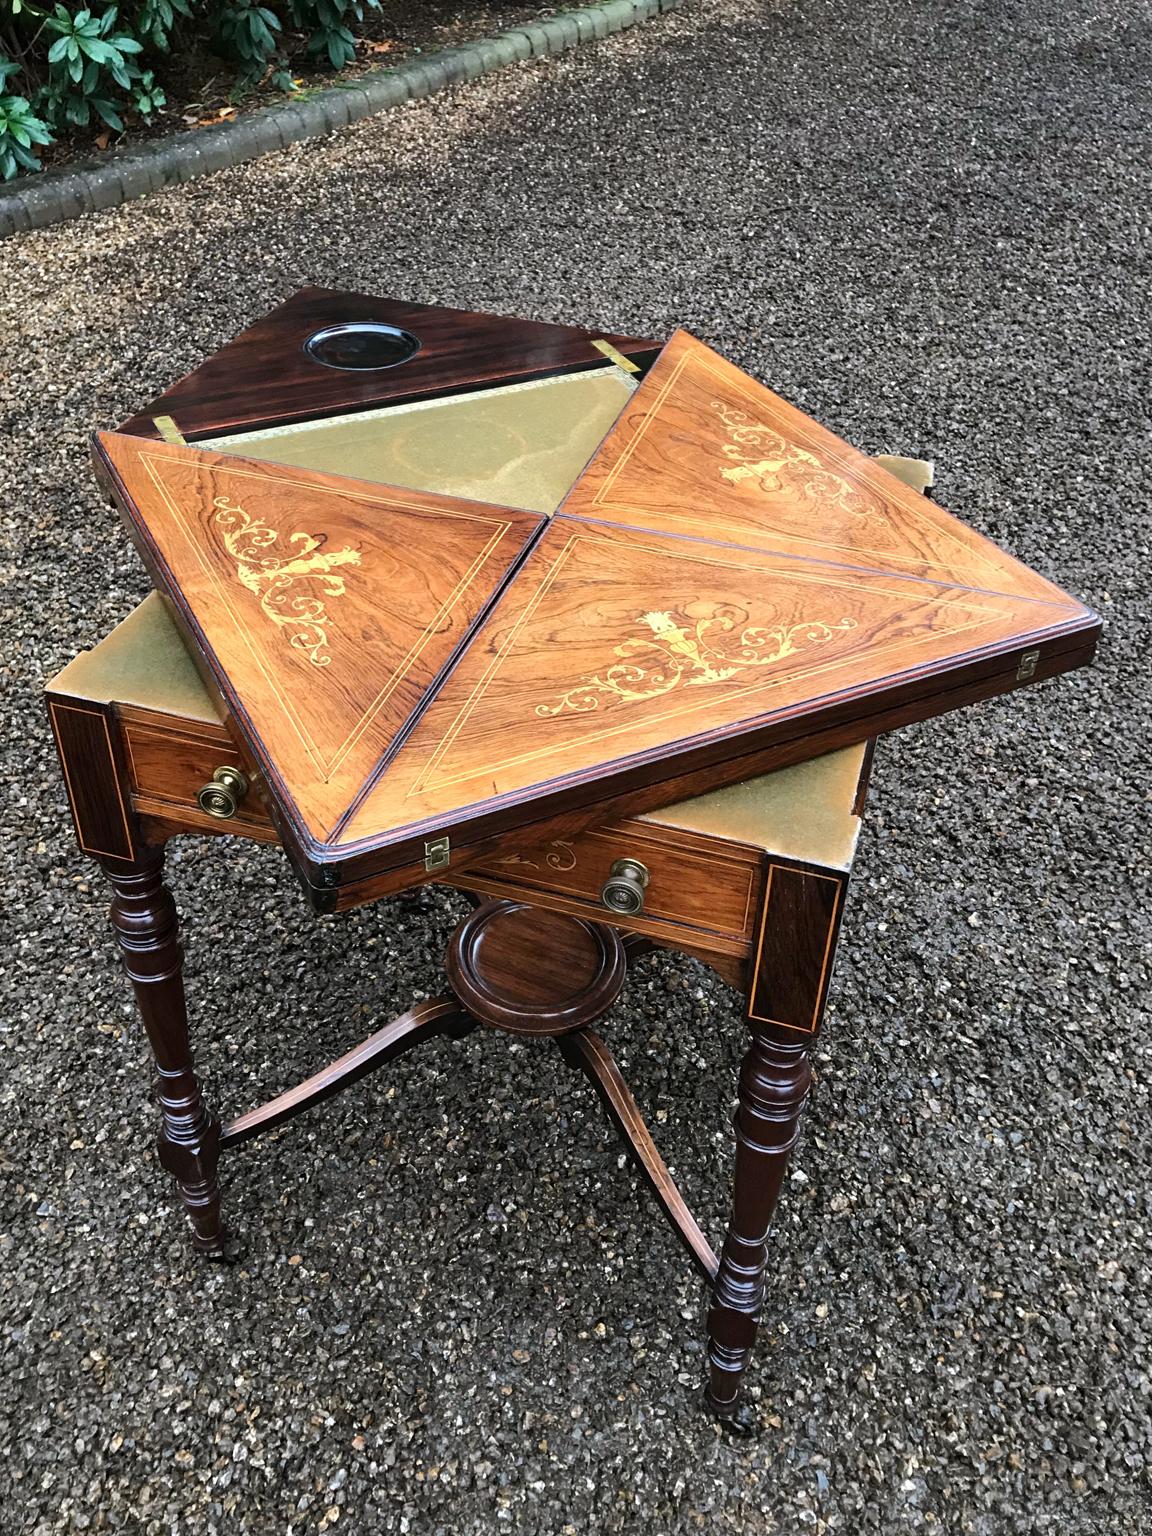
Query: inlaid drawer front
[173,763]
[711,888]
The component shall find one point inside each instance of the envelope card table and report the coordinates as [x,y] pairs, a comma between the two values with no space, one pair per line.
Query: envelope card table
[596,629]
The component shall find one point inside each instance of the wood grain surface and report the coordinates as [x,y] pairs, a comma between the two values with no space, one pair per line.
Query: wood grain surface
[530,971]
[703,882]
[92,760]
[705,451]
[726,582]
[612,644]
[796,945]
[264,376]
[328,608]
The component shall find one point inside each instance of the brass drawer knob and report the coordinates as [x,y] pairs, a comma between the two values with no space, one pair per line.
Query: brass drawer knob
[224,793]
[625,886]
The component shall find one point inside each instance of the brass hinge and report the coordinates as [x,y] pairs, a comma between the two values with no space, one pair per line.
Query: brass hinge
[437,854]
[614,355]
[1027,667]
[168,430]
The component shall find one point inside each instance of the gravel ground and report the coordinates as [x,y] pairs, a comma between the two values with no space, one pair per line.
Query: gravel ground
[925,223]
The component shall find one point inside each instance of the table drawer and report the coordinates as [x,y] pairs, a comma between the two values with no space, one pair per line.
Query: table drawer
[170,759]
[702,883]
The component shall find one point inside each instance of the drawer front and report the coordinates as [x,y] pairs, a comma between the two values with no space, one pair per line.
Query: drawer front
[703,884]
[170,762]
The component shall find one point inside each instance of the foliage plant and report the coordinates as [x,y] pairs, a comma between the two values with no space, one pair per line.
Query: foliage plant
[66,67]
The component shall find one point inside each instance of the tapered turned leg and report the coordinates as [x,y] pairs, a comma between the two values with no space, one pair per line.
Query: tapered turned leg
[774,1083]
[144,918]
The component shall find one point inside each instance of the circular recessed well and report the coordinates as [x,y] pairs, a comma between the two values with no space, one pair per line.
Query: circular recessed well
[361,345]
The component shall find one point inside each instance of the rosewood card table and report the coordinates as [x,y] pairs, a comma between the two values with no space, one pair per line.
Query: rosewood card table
[595,629]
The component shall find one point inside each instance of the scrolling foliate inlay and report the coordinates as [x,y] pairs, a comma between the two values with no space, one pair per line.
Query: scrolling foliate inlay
[561,857]
[784,465]
[273,578]
[692,649]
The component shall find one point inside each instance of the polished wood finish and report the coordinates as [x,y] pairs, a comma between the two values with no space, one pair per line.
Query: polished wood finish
[534,972]
[326,608]
[425,1021]
[617,660]
[705,451]
[799,922]
[774,944]
[726,578]
[645,783]
[585,1050]
[705,888]
[167,753]
[167,762]
[144,920]
[427,688]
[726,957]
[263,376]
[796,944]
[694,881]
[92,761]
[774,1083]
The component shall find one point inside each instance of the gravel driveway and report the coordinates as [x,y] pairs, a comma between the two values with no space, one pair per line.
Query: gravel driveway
[928,225]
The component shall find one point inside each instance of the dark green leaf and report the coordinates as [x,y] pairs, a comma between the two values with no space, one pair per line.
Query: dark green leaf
[108,112]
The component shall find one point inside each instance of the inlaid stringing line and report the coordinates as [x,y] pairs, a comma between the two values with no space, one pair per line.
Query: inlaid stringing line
[831,452]
[604,735]
[328,768]
[839,897]
[222,594]
[423,784]
[420,644]
[480,687]
[74,709]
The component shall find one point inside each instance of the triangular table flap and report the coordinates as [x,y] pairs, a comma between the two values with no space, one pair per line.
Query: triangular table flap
[705,451]
[264,375]
[612,643]
[327,609]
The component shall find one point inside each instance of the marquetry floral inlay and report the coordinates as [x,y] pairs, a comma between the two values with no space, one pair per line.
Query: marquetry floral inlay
[758,453]
[695,647]
[560,857]
[275,575]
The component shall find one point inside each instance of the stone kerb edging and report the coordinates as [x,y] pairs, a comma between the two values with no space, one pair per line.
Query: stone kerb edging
[56,196]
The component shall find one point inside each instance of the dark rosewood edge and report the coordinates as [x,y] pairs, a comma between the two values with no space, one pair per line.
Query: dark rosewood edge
[90,748]
[261,378]
[801,907]
[647,781]
[145,427]
[864,783]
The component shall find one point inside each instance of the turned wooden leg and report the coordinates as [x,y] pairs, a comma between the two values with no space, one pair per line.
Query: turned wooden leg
[774,1082]
[788,983]
[144,917]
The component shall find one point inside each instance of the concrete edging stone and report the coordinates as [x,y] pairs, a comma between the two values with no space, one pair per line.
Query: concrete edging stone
[85,187]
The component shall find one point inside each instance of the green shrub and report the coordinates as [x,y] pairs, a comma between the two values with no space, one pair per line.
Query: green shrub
[69,66]
[20,128]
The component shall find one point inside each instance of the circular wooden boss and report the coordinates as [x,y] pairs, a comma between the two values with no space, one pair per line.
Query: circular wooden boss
[533,972]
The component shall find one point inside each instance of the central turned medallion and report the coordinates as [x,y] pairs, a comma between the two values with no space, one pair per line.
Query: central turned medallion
[534,972]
